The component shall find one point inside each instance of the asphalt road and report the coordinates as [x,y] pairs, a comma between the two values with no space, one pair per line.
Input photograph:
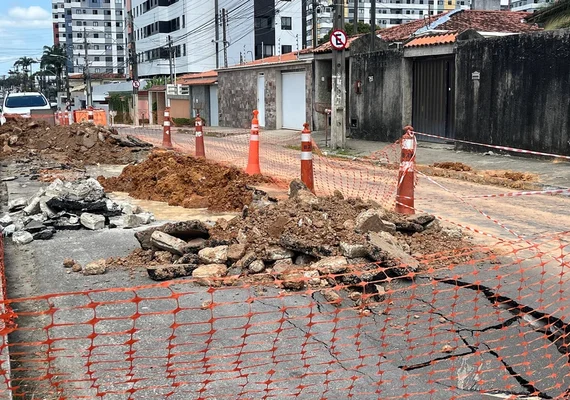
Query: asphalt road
[494,326]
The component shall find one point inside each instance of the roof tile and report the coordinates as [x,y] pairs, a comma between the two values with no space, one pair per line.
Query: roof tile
[432,39]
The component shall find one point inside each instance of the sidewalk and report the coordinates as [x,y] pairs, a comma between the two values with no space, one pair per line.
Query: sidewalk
[552,173]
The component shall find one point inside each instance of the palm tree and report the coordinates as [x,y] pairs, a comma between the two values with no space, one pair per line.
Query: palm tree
[26,64]
[554,16]
[55,58]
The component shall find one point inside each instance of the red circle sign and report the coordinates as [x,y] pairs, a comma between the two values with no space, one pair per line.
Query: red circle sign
[136,84]
[338,39]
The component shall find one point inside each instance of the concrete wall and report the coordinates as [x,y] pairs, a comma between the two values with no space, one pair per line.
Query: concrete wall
[380,109]
[322,91]
[179,108]
[522,96]
[237,93]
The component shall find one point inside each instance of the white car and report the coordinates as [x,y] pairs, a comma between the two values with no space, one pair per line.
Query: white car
[22,104]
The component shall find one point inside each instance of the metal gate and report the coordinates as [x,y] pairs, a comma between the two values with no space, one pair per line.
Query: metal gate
[433,97]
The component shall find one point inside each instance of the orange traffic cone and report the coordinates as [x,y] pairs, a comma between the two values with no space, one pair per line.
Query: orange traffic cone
[253,160]
[405,191]
[307,158]
[200,152]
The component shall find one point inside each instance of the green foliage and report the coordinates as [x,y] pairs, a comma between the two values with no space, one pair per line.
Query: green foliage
[120,102]
[349,29]
[156,81]
[554,16]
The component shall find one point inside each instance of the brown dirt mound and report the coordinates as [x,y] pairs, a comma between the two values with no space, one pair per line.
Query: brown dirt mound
[185,181]
[79,144]
[454,166]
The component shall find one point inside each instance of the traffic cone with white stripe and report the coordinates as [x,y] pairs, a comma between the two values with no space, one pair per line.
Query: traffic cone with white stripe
[406,175]
[200,152]
[307,158]
[90,114]
[166,137]
[253,160]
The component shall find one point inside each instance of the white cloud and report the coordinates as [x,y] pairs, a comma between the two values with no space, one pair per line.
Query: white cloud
[32,13]
[31,17]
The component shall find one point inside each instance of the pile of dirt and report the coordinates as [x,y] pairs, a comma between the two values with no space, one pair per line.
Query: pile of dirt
[78,144]
[454,166]
[186,181]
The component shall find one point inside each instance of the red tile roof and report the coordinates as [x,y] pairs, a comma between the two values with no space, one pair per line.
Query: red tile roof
[196,79]
[268,60]
[479,20]
[432,39]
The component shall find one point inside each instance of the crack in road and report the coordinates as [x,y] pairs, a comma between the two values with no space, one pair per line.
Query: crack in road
[555,330]
[325,345]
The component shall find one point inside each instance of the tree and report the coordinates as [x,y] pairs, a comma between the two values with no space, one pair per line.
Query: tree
[26,64]
[349,29]
[54,58]
[553,16]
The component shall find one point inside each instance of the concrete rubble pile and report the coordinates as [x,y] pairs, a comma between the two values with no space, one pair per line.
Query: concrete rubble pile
[81,204]
[355,247]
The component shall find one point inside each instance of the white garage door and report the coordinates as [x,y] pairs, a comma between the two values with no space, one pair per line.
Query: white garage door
[293,100]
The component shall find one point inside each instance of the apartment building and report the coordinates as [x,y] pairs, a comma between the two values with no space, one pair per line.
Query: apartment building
[528,5]
[100,24]
[193,33]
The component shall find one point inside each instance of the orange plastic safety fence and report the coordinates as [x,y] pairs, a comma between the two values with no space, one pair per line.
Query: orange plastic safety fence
[373,178]
[491,325]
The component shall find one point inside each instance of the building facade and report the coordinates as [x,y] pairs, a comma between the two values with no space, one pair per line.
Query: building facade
[529,5]
[98,23]
[183,36]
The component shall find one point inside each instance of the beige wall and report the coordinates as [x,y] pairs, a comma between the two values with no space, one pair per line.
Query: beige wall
[179,108]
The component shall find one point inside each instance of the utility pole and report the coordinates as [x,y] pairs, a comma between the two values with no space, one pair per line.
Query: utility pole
[217,29]
[87,74]
[356,16]
[224,30]
[132,52]
[338,101]
[170,59]
[372,25]
[315,31]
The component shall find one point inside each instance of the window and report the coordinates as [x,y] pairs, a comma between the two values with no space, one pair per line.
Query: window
[78,11]
[184,21]
[184,49]
[286,48]
[95,47]
[96,35]
[108,36]
[286,23]
[95,12]
[25,101]
[96,58]
[109,59]
[118,13]
[118,24]
[119,36]
[108,47]
[95,23]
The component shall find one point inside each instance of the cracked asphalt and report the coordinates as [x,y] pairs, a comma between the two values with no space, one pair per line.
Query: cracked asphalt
[490,327]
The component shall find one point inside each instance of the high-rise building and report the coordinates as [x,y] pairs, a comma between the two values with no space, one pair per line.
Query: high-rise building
[100,24]
[187,30]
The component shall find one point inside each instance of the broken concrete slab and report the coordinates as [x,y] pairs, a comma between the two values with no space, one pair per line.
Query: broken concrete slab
[384,247]
[34,226]
[33,206]
[188,258]
[282,266]
[185,230]
[22,237]
[131,221]
[167,242]
[420,219]
[67,221]
[195,245]
[92,221]
[293,280]
[300,245]
[246,260]
[274,253]
[372,221]
[214,255]
[45,234]
[45,209]
[256,267]
[6,220]
[98,267]
[236,252]
[172,271]
[356,250]
[331,265]
[9,230]
[208,275]
[145,217]
[17,204]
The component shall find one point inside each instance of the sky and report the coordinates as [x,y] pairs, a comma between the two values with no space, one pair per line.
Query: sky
[25,28]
